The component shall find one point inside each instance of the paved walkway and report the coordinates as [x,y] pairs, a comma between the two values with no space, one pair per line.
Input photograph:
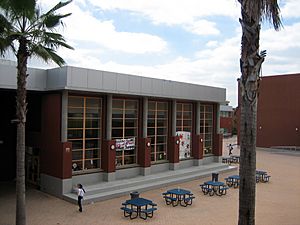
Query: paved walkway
[277,202]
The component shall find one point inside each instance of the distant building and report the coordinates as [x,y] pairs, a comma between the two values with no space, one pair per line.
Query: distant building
[226,120]
[278,111]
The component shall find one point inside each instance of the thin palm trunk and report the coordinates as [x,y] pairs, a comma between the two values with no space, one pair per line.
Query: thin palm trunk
[248,164]
[250,66]
[253,12]
[21,109]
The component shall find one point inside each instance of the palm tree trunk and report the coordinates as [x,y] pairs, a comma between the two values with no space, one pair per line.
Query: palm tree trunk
[250,64]
[21,109]
[247,164]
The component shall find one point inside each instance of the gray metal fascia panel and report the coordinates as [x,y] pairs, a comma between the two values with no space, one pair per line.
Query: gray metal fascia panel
[79,77]
[8,76]
[57,78]
[116,83]
[135,84]
[168,87]
[122,84]
[73,78]
[109,82]
[35,81]
[158,87]
[146,85]
[95,79]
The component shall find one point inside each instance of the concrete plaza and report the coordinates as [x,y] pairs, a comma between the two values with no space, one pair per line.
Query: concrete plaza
[277,202]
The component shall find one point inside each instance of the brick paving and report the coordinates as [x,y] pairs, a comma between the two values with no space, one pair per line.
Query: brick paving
[277,202]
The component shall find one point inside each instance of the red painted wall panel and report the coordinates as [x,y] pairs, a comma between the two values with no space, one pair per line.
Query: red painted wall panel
[278,111]
[278,116]
[226,122]
[51,146]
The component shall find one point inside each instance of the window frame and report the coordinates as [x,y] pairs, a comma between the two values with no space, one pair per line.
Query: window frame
[84,161]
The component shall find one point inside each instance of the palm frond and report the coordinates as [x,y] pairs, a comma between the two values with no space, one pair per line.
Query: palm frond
[259,10]
[57,6]
[17,8]
[4,46]
[37,30]
[55,40]
[7,36]
[48,39]
[47,54]
[4,24]
[54,20]
[271,12]
[56,58]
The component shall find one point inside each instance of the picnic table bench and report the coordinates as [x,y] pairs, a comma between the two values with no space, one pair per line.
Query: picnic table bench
[178,196]
[138,207]
[233,181]
[262,176]
[214,187]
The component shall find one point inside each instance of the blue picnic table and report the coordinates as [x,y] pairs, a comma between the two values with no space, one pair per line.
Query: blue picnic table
[262,176]
[178,196]
[214,187]
[139,207]
[233,181]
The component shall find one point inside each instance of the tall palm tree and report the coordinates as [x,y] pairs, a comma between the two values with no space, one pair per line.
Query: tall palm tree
[253,13]
[26,32]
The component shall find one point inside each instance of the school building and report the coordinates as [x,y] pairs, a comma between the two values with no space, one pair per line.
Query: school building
[89,126]
[278,111]
[226,120]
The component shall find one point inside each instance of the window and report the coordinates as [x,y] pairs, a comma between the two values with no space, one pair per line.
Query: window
[206,127]
[125,130]
[184,119]
[84,131]
[226,114]
[157,129]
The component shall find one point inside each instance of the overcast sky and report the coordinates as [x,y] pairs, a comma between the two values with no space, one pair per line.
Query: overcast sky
[190,41]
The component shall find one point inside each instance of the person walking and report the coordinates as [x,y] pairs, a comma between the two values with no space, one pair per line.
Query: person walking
[80,194]
[230,149]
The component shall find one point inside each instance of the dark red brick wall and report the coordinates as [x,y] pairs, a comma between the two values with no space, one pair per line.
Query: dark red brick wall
[226,122]
[278,111]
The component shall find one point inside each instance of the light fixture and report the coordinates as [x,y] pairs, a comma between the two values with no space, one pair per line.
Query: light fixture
[112,147]
[148,144]
[177,142]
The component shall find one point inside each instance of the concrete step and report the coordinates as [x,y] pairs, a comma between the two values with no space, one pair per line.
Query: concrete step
[140,180]
[107,190]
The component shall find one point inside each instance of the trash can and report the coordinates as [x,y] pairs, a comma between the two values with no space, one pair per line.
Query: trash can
[134,194]
[215,177]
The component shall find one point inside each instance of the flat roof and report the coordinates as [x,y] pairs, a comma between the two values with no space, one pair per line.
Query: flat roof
[89,80]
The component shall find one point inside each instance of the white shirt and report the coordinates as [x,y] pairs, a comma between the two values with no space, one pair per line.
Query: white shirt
[80,192]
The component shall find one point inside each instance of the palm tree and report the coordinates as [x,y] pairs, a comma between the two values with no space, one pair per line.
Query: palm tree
[26,32]
[253,13]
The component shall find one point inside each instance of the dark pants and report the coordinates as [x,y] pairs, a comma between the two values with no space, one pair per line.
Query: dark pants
[80,203]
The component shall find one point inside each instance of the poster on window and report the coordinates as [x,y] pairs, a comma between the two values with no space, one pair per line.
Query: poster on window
[184,144]
[125,144]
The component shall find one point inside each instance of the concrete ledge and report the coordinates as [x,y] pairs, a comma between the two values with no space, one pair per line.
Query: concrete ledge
[107,190]
[174,166]
[145,171]
[109,176]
